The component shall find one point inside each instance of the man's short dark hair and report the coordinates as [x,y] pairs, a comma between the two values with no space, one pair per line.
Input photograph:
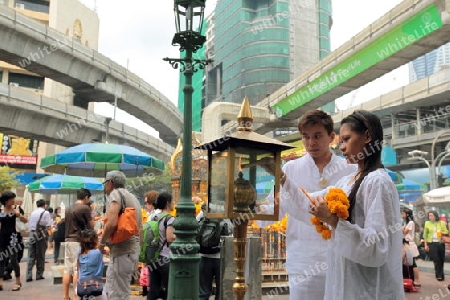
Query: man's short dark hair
[6,196]
[40,203]
[316,117]
[83,193]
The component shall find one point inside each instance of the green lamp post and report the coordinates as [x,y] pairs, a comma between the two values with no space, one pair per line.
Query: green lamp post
[184,262]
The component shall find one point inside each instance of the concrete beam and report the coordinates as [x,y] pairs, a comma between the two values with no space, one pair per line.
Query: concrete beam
[397,15]
[93,76]
[31,115]
[433,90]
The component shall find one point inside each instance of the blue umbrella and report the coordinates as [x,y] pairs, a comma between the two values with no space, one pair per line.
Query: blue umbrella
[28,177]
[64,184]
[409,196]
[264,187]
[96,159]
[408,185]
[392,174]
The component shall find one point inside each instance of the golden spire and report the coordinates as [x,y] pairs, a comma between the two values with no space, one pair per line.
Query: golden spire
[245,116]
[173,159]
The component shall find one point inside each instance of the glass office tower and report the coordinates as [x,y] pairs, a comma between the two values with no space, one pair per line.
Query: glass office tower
[258,47]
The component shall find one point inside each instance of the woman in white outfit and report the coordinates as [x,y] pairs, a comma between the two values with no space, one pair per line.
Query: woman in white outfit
[409,233]
[365,251]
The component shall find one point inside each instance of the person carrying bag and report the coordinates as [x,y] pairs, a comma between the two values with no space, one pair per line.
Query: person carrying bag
[127,225]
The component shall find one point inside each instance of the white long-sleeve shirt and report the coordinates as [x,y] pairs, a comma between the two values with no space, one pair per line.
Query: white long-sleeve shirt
[304,247]
[364,258]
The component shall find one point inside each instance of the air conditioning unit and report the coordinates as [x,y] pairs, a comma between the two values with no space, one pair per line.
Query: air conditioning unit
[20,5]
[14,84]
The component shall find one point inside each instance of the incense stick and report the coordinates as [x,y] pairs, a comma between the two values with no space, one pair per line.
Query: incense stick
[308,196]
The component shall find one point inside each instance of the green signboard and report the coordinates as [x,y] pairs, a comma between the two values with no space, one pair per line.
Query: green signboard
[415,28]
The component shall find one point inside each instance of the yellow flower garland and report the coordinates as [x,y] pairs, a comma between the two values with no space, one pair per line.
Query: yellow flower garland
[198,206]
[279,226]
[338,204]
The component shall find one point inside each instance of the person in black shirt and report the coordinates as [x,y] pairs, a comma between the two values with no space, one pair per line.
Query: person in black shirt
[8,236]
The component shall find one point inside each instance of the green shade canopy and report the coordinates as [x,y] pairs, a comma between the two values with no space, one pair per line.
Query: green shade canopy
[64,184]
[96,159]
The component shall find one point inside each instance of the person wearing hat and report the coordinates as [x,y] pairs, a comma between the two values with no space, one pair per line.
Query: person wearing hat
[38,224]
[124,254]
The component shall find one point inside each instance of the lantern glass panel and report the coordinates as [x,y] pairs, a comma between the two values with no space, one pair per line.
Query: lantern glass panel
[254,164]
[188,18]
[218,182]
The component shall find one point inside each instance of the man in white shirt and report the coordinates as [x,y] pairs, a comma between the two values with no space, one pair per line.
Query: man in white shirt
[305,249]
[38,224]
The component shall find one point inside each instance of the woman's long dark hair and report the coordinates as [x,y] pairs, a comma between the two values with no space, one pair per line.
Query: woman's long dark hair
[409,215]
[361,121]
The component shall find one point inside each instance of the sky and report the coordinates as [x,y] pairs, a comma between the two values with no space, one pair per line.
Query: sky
[138,35]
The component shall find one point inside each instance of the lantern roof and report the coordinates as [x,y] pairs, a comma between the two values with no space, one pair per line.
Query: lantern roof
[245,137]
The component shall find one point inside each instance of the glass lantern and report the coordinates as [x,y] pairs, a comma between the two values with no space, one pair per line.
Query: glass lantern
[242,172]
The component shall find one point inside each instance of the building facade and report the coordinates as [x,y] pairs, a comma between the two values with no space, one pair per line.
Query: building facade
[430,63]
[81,25]
[259,46]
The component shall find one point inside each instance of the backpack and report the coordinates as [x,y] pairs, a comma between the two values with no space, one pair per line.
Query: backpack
[150,247]
[60,234]
[209,233]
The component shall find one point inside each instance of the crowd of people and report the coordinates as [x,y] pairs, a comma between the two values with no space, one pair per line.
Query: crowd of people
[367,256]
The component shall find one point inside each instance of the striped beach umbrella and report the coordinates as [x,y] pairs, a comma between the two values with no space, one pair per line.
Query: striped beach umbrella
[96,159]
[64,184]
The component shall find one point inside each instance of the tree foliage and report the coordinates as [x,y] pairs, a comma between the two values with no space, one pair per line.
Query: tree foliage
[7,180]
[140,185]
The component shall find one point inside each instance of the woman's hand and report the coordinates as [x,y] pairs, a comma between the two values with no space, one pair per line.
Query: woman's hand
[320,210]
[427,248]
[16,212]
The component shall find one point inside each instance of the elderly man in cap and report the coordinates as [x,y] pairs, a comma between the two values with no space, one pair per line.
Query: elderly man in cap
[38,224]
[123,256]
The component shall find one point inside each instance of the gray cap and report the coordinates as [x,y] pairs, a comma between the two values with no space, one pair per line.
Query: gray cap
[116,177]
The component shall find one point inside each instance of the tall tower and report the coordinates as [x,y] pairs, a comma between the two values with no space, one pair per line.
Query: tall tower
[430,63]
[259,46]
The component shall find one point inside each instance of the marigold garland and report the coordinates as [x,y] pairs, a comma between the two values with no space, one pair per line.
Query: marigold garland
[279,226]
[144,216]
[338,204]
[198,202]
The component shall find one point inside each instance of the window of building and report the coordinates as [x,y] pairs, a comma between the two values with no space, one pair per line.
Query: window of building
[27,81]
[34,5]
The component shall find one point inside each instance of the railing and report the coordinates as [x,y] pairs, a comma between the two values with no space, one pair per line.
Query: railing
[429,124]
[273,260]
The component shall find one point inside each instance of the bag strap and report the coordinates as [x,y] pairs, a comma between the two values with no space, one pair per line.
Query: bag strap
[166,218]
[124,204]
[40,217]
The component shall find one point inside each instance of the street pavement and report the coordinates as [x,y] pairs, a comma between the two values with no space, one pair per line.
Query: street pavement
[45,289]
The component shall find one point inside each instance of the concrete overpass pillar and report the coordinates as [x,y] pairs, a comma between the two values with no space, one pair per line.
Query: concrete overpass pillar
[419,123]
[394,127]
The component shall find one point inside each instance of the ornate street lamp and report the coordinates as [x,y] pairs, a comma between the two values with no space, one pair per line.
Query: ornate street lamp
[238,165]
[183,276]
